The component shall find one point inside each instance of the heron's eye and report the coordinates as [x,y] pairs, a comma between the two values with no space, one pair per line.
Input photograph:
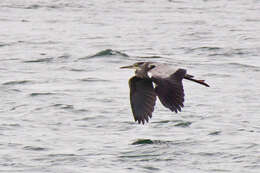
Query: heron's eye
[151,67]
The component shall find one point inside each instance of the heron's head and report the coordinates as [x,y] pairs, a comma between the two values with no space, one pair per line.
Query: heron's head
[140,66]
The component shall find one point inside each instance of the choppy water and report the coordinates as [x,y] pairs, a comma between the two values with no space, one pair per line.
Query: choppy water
[65,102]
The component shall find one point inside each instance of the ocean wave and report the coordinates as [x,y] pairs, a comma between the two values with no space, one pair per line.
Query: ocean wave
[105,53]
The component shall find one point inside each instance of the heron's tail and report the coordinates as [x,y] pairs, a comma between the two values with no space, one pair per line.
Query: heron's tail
[190,77]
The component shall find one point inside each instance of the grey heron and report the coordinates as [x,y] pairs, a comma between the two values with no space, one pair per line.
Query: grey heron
[168,87]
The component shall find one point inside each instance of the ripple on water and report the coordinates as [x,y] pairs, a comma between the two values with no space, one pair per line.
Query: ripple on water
[42,94]
[17,82]
[178,123]
[215,133]
[219,51]
[66,158]
[33,148]
[151,57]
[151,168]
[241,65]
[230,52]
[77,70]
[218,75]
[63,106]
[70,108]
[183,124]
[149,141]
[46,60]
[93,79]
[4,44]
[12,126]
[233,65]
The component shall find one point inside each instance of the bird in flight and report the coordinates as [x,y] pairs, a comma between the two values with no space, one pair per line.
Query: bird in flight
[168,87]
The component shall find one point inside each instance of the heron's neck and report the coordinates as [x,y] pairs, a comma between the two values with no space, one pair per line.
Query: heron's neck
[141,74]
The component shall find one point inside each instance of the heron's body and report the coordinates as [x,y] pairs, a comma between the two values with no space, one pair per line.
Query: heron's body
[162,70]
[168,87]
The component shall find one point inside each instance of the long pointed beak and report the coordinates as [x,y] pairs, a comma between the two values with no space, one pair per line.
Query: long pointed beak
[129,66]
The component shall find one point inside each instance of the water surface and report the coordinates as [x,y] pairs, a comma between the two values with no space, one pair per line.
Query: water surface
[65,102]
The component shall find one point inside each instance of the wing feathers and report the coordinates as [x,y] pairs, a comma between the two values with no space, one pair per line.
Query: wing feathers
[170,90]
[142,98]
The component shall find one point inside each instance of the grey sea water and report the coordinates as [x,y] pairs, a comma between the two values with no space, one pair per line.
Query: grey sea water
[64,102]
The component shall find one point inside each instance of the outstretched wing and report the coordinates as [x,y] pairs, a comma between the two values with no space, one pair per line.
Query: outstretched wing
[142,98]
[170,90]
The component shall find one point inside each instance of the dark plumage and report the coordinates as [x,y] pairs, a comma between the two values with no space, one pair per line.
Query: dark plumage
[168,87]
